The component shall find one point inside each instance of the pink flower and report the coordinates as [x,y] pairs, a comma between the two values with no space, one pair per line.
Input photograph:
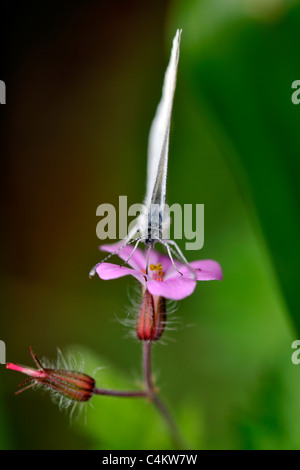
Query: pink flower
[162,278]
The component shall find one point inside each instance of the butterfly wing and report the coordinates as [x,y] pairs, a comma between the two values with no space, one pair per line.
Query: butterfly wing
[158,146]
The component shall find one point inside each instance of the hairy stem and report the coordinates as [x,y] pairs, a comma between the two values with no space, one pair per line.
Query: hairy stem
[147,367]
[120,393]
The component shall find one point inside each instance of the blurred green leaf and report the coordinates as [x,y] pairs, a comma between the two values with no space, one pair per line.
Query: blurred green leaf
[241,57]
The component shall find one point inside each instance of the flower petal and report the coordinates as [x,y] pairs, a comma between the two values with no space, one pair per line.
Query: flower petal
[207,270]
[175,288]
[109,271]
[156,257]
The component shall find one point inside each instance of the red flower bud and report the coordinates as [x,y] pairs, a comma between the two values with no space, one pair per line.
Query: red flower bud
[71,384]
[152,317]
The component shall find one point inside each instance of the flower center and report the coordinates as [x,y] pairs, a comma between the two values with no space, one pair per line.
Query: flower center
[157,271]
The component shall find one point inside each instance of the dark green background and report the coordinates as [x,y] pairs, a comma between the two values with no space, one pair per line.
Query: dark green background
[83,82]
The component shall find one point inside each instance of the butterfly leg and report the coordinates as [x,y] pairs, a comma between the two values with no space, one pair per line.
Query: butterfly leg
[135,247]
[170,256]
[172,242]
[183,258]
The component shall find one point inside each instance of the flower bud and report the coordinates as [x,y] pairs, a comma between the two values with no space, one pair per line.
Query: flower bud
[73,385]
[152,317]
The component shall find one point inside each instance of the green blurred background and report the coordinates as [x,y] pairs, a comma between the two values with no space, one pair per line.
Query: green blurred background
[83,82]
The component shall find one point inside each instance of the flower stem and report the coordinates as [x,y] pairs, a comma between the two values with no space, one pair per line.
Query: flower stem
[120,393]
[151,393]
[147,367]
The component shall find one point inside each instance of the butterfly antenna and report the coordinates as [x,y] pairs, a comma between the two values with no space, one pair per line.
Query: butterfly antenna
[93,270]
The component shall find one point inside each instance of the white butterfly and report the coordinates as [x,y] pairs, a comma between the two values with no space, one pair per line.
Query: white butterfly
[153,221]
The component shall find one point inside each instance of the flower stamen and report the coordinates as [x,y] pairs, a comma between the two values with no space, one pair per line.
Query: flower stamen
[158,273]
